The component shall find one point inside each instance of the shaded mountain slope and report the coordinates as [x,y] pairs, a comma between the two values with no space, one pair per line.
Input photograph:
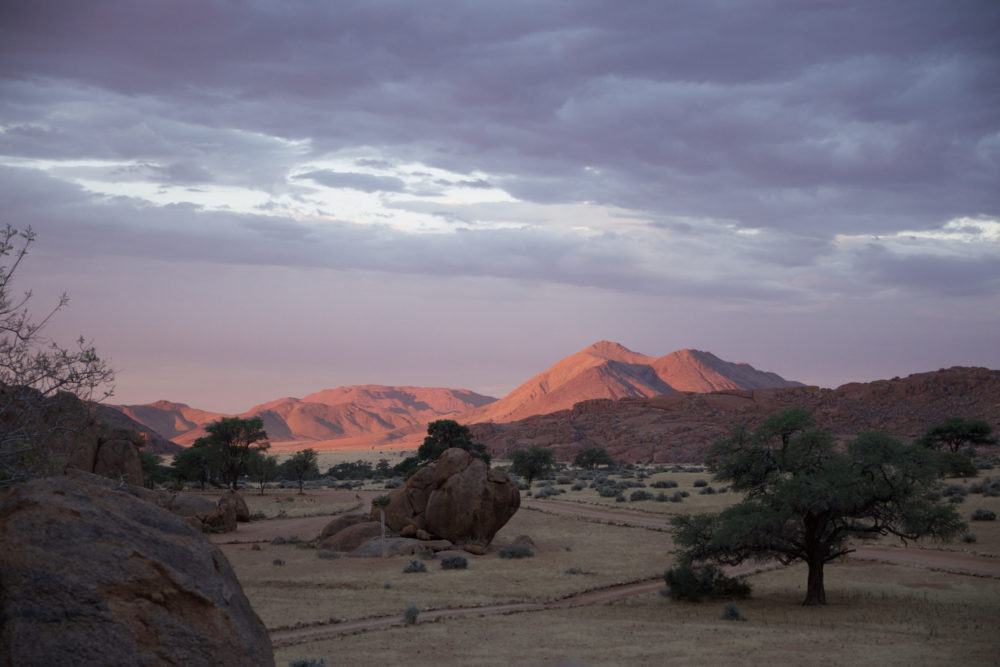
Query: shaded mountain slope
[681,426]
[611,371]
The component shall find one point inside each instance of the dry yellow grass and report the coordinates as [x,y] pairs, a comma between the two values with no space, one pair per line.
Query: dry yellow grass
[878,614]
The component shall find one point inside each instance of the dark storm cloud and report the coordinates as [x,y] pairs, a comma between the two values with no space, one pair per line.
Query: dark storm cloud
[807,120]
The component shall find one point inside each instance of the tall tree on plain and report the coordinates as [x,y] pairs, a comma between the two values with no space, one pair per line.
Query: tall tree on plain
[804,499]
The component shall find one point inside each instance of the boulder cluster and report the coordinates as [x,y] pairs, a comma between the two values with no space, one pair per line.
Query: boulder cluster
[456,502]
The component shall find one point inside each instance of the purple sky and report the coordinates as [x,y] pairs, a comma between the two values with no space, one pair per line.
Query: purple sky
[253,200]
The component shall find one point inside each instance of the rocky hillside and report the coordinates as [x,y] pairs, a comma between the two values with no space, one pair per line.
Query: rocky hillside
[344,412]
[611,371]
[681,426]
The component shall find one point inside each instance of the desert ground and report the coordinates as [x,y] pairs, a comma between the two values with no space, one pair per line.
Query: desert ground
[591,594]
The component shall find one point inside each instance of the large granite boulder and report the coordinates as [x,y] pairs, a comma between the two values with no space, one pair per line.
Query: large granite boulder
[351,537]
[91,575]
[240,509]
[458,498]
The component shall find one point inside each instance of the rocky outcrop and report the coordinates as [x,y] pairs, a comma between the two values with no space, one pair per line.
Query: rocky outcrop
[351,537]
[91,575]
[680,427]
[239,506]
[457,498]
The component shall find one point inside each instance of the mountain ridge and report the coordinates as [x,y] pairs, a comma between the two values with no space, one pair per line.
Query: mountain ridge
[383,413]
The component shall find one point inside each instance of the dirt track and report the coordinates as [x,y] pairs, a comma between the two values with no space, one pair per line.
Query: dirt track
[934,559]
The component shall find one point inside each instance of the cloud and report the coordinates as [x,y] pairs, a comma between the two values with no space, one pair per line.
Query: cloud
[354,181]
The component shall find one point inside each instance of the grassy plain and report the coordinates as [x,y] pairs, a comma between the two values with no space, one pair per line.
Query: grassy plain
[878,613]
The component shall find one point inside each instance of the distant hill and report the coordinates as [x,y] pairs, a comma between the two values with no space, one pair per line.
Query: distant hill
[681,426]
[332,414]
[611,371]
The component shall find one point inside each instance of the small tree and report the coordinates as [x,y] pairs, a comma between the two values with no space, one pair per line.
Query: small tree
[804,499]
[231,440]
[592,457]
[153,470]
[956,434]
[36,374]
[302,465]
[197,463]
[442,435]
[262,468]
[531,463]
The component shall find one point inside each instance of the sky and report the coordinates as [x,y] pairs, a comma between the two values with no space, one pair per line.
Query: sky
[251,200]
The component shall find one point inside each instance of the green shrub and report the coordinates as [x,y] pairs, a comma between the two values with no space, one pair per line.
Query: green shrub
[980,514]
[454,562]
[706,491]
[328,555]
[694,584]
[731,613]
[278,540]
[415,566]
[640,495]
[517,551]
[700,483]
[307,662]
[664,484]
[277,561]
[969,538]
[410,615]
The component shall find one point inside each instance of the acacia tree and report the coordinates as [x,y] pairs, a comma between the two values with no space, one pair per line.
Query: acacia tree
[443,434]
[531,463]
[262,468]
[591,457]
[231,440]
[36,374]
[804,499]
[301,465]
[956,433]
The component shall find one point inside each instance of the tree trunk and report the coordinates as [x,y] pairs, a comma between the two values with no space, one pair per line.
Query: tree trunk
[815,592]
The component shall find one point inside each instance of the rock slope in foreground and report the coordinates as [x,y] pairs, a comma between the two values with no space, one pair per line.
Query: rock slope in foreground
[680,427]
[94,576]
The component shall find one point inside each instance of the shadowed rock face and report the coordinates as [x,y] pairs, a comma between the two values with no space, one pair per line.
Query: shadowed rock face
[95,576]
[458,498]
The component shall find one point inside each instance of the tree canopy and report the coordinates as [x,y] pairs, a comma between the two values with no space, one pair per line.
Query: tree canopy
[956,433]
[805,499]
[591,457]
[443,434]
[302,465]
[230,442]
[531,463]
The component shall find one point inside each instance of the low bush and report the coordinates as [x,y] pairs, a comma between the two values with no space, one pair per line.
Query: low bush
[694,584]
[640,495]
[731,613]
[678,496]
[579,486]
[699,483]
[980,514]
[969,538]
[454,562]
[518,551]
[277,561]
[706,491]
[664,484]
[325,554]
[307,662]
[410,615]
[415,566]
